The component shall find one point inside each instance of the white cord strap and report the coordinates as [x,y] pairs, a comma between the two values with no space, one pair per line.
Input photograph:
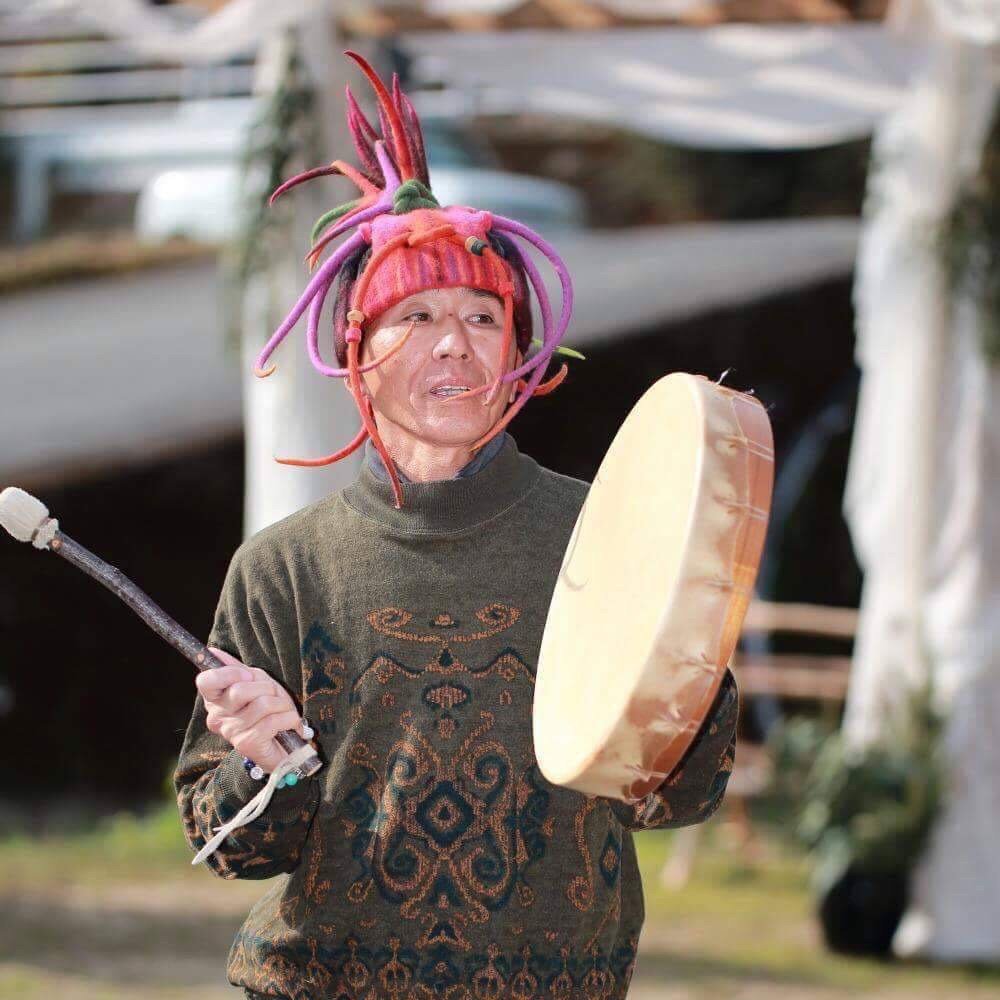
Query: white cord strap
[258,803]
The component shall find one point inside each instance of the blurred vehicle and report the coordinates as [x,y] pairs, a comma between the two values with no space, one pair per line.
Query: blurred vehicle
[202,202]
[83,113]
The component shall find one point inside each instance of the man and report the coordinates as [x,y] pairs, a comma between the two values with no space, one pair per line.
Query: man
[404,615]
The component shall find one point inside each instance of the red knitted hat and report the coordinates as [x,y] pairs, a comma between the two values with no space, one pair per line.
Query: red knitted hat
[436,263]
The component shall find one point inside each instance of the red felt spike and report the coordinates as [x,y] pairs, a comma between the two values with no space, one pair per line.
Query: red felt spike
[306,175]
[399,144]
[363,135]
[386,128]
[397,94]
[415,137]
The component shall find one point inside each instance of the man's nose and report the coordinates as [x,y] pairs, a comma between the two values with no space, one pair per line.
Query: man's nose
[453,340]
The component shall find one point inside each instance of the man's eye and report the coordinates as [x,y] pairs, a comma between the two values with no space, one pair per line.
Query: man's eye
[418,314]
[483,318]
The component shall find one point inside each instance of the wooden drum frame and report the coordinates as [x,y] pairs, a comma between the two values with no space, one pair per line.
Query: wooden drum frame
[653,588]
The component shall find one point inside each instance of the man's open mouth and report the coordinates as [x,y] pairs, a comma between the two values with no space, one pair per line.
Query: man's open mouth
[443,391]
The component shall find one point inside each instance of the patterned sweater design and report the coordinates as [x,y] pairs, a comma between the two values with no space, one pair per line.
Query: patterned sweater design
[429,858]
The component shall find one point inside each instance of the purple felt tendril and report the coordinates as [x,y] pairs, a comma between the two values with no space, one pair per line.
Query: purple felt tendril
[541,293]
[550,337]
[324,275]
[312,338]
[544,304]
[312,331]
[392,180]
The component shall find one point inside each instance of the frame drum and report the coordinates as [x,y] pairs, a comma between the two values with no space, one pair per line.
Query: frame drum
[653,588]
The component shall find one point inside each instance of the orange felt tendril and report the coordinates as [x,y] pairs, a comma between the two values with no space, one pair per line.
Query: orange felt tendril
[369,420]
[311,463]
[354,376]
[544,388]
[388,354]
[491,387]
[365,186]
[437,232]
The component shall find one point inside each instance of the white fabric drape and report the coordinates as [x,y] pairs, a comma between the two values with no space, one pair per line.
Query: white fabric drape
[726,86]
[923,490]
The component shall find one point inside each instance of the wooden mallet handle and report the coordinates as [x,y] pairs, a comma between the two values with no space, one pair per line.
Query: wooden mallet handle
[160,622]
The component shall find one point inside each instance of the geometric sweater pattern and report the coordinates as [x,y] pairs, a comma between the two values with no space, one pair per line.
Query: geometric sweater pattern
[429,859]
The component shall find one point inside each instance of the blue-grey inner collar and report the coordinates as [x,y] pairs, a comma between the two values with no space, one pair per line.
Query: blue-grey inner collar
[485,454]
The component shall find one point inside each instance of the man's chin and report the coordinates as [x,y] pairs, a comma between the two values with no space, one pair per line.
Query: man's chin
[451,434]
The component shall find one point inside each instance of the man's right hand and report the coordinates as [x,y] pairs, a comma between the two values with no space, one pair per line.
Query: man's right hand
[246,706]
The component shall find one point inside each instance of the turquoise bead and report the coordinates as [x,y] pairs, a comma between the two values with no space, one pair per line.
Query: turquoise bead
[291,778]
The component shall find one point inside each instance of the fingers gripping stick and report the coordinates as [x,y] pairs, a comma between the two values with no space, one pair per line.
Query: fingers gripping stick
[27,519]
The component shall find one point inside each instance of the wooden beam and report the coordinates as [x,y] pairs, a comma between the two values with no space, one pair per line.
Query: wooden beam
[371,23]
[811,619]
[576,14]
[791,676]
[473,21]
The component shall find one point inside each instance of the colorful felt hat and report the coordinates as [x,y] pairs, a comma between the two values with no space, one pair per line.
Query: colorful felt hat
[403,242]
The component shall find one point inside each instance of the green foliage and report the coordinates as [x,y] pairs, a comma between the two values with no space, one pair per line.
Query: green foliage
[282,130]
[868,808]
[85,848]
[969,242]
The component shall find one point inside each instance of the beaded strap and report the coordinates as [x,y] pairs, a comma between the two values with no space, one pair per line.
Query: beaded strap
[257,772]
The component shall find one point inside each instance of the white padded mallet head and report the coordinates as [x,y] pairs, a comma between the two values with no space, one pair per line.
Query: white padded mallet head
[26,518]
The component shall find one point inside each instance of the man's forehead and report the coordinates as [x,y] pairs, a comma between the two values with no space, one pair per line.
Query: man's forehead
[457,290]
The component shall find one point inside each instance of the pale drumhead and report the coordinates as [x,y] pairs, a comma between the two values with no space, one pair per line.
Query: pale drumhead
[653,588]
[622,564]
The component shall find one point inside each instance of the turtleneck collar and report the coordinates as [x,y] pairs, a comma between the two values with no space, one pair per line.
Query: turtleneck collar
[487,453]
[447,505]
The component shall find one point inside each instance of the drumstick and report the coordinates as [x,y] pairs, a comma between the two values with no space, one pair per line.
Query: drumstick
[27,519]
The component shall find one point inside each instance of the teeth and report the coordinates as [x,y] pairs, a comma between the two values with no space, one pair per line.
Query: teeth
[449,390]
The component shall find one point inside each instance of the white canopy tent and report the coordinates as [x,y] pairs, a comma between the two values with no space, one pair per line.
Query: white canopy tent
[727,86]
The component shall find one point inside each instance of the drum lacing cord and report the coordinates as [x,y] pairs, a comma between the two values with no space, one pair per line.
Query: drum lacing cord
[749,509]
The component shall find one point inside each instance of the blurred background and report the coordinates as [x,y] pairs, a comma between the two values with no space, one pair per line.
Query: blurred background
[799,197]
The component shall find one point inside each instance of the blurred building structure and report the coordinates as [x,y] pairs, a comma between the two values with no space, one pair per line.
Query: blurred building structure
[155,77]
[142,373]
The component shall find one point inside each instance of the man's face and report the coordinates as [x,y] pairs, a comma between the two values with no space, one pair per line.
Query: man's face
[456,338]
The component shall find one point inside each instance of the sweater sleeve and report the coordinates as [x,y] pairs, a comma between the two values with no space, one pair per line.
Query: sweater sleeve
[211,783]
[694,790]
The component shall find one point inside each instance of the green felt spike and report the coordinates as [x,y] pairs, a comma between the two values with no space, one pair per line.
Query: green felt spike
[327,217]
[412,194]
[568,351]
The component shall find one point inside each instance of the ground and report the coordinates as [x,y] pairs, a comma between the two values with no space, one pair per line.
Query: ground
[119,914]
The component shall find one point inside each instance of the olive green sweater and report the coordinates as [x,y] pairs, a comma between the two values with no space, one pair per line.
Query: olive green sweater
[429,857]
